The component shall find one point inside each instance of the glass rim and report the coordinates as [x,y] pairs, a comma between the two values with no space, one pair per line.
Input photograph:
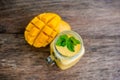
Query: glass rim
[75,34]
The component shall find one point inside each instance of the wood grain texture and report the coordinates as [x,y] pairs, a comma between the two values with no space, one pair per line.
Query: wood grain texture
[97,21]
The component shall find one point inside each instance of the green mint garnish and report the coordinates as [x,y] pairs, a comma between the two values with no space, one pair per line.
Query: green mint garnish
[62,40]
[75,41]
[70,45]
[70,42]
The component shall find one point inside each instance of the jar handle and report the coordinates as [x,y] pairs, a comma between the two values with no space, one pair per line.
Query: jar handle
[50,60]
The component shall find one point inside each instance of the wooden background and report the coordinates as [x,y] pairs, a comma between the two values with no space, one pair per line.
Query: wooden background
[97,21]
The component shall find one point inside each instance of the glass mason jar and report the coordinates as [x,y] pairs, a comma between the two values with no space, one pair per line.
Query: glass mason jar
[62,61]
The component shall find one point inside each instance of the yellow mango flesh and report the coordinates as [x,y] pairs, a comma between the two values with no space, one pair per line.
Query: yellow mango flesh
[43,28]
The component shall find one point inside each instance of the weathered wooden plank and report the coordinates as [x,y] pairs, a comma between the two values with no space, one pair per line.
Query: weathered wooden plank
[98,22]
[20,61]
[16,14]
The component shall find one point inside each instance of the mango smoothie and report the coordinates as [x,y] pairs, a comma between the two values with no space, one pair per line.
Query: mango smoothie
[66,50]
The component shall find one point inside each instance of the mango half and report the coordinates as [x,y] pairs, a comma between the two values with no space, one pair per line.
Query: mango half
[43,28]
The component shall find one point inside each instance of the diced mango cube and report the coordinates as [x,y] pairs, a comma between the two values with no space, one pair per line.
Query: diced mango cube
[37,44]
[47,30]
[49,40]
[54,33]
[35,20]
[29,27]
[29,38]
[34,32]
[40,24]
[54,22]
[42,37]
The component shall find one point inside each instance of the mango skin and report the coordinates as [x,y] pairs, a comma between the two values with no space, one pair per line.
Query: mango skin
[43,28]
[64,26]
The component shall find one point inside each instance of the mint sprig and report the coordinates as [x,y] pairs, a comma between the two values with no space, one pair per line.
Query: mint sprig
[74,41]
[62,40]
[70,42]
[70,45]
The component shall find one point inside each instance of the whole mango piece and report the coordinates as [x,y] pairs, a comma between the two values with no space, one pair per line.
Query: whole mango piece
[43,28]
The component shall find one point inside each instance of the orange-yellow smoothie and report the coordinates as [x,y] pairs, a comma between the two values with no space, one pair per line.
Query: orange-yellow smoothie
[66,49]
[66,52]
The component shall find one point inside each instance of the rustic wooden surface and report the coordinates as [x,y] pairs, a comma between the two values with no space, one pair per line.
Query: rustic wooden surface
[97,21]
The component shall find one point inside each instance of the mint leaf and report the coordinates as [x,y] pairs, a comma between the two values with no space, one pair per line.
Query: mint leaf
[70,45]
[58,43]
[63,43]
[74,41]
[62,40]
[64,36]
